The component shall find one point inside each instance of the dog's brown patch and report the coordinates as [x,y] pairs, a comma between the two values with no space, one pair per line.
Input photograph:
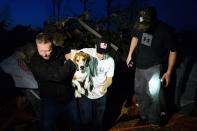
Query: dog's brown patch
[81,55]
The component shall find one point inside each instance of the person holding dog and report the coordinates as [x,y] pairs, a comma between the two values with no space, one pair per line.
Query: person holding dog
[153,42]
[53,71]
[92,105]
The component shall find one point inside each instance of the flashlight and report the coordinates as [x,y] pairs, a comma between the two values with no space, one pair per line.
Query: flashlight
[154,85]
[163,83]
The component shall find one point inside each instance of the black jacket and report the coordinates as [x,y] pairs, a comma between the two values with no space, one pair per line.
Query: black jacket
[54,76]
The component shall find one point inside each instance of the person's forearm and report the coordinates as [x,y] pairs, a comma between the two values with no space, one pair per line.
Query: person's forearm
[171,61]
[108,82]
[133,45]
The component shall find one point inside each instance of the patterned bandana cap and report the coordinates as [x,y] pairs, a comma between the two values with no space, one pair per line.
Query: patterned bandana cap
[102,47]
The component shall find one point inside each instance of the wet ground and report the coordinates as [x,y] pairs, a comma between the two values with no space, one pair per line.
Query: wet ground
[22,119]
[184,120]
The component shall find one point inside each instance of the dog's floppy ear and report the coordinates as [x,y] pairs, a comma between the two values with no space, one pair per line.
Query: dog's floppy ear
[88,59]
[75,57]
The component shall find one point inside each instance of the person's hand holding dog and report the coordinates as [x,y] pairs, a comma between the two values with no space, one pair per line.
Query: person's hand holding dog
[71,55]
[107,83]
[103,91]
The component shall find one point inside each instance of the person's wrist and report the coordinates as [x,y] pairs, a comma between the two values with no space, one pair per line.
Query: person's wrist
[169,72]
[129,57]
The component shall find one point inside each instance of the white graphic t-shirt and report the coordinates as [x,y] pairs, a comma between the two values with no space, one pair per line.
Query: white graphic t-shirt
[105,68]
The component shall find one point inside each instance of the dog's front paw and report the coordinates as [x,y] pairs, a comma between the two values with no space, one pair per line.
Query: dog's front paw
[77,94]
[87,85]
[81,90]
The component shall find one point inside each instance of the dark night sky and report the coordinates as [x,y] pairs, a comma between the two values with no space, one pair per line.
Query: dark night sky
[181,14]
[178,13]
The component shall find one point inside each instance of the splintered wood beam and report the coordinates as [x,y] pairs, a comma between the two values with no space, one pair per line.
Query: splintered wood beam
[94,32]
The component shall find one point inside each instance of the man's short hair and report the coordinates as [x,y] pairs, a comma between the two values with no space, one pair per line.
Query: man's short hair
[43,38]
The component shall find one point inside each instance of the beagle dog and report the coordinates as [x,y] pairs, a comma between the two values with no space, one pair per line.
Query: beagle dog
[81,79]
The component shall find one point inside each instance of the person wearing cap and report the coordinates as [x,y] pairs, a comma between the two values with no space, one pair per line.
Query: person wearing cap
[152,41]
[92,105]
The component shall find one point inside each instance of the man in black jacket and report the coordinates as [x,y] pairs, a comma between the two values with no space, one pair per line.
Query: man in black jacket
[53,71]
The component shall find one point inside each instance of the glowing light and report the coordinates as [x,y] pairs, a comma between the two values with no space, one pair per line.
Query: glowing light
[154,86]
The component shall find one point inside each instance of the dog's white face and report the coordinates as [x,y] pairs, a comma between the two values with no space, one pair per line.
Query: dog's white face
[81,60]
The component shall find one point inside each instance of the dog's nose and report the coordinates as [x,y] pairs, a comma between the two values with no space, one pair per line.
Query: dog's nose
[82,67]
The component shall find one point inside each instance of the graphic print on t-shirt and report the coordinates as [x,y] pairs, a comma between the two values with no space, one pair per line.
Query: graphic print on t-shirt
[146,39]
[101,69]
